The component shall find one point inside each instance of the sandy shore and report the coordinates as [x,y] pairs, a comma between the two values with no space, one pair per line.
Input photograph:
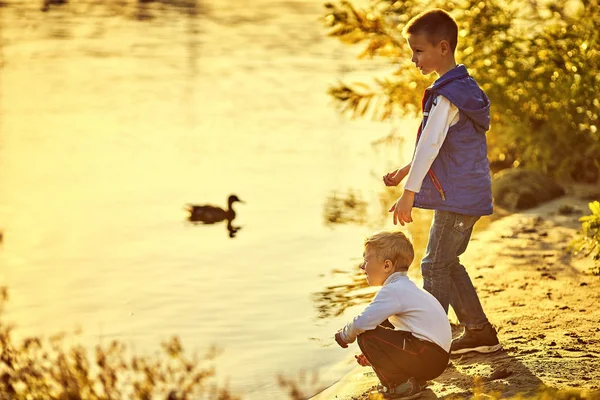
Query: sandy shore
[543,301]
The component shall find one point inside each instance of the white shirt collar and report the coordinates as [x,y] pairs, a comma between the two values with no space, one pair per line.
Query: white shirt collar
[394,277]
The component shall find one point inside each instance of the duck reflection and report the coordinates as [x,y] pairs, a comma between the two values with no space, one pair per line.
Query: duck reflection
[208,214]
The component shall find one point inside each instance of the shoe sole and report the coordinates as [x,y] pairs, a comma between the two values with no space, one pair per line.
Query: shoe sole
[414,396]
[480,349]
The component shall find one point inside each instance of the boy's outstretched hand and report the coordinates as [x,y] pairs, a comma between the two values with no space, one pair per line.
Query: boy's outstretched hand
[402,208]
[362,360]
[395,177]
[340,341]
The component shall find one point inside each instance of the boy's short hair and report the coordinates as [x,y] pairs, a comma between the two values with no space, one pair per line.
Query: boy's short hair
[437,24]
[393,246]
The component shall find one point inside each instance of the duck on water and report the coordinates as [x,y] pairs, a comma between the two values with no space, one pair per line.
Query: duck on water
[208,214]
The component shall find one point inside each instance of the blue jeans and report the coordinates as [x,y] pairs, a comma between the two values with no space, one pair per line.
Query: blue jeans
[443,274]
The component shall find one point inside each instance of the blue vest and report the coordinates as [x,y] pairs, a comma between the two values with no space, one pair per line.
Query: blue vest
[461,168]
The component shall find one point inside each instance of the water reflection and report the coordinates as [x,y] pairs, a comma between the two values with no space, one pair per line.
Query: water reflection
[141,10]
[345,208]
[208,214]
[335,299]
[47,3]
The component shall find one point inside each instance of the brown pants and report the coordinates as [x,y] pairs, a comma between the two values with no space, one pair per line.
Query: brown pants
[397,356]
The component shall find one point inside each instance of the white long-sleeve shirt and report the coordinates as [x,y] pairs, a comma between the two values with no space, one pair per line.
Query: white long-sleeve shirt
[442,116]
[408,308]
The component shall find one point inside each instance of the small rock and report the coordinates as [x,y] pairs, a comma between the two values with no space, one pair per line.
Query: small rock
[552,343]
[529,351]
[500,374]
[588,355]
[519,189]
[583,284]
[567,209]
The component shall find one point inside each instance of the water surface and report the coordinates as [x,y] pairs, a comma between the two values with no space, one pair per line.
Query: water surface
[115,116]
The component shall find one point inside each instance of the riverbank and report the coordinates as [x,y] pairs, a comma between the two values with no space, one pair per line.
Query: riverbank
[542,300]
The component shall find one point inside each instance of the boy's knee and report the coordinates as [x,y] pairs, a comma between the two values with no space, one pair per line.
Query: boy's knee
[365,335]
[435,267]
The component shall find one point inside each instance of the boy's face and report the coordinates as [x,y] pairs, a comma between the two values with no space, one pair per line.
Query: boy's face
[376,269]
[426,56]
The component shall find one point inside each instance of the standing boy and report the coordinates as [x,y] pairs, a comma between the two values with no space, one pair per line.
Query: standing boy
[404,333]
[449,173]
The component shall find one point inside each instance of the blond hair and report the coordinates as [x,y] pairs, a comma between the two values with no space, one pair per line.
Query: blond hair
[393,246]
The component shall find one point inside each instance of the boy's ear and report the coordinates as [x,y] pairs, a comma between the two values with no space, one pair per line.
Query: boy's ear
[388,264]
[445,47]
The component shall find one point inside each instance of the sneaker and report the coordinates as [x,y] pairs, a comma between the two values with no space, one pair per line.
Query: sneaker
[423,384]
[483,340]
[404,391]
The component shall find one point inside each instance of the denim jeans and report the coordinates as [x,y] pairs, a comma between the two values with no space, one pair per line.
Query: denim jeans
[443,274]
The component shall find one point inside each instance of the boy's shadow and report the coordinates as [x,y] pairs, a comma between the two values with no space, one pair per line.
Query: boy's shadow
[495,372]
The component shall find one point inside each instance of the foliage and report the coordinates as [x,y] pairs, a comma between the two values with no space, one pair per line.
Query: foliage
[590,240]
[537,61]
[35,368]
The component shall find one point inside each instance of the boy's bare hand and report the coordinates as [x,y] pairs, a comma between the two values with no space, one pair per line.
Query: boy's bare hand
[402,209]
[362,360]
[395,177]
[340,341]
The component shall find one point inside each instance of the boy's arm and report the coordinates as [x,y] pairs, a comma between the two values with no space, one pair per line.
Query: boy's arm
[441,117]
[384,305]
[395,177]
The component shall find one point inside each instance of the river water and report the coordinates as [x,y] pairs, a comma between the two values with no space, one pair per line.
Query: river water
[115,115]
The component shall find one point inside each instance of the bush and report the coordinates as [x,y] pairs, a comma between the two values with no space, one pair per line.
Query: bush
[47,370]
[590,240]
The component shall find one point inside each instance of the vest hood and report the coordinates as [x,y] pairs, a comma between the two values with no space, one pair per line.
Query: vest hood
[465,95]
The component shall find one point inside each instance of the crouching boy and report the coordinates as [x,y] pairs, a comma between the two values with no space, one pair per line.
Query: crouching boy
[404,333]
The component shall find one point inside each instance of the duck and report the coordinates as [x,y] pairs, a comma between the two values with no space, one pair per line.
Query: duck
[210,214]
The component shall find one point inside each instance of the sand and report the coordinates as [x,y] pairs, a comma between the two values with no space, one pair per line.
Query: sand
[542,300]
